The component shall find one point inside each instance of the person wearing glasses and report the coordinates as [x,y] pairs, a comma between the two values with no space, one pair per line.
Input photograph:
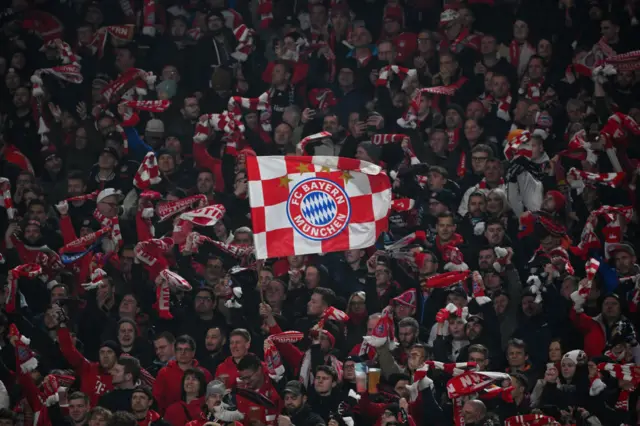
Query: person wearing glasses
[167,388]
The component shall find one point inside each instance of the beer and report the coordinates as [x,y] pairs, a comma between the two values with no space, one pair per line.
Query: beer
[374,380]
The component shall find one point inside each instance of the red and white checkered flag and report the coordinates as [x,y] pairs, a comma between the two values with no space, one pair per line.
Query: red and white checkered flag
[148,173]
[316,204]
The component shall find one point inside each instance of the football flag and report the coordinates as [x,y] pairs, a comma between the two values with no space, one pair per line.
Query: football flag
[316,204]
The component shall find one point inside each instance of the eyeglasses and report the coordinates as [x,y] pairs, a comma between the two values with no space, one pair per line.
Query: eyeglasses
[247,378]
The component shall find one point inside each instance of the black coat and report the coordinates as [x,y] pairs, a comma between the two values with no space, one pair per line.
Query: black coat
[306,417]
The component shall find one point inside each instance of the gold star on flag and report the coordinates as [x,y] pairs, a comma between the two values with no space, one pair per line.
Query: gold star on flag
[325,169]
[346,176]
[303,168]
[284,181]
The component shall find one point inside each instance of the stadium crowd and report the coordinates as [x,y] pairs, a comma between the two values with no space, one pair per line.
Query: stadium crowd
[504,291]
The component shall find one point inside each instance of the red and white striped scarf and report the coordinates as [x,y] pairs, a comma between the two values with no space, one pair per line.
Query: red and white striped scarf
[114,224]
[5,195]
[70,73]
[454,138]
[148,173]
[384,78]
[534,90]
[483,184]
[409,119]
[271,354]
[612,230]
[265,10]
[27,270]
[504,106]
[244,37]
[65,53]
[81,243]
[579,149]
[120,32]
[530,420]
[170,208]
[519,146]
[149,18]
[316,136]
[609,179]
[205,216]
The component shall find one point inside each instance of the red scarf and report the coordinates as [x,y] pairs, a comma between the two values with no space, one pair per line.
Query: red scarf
[515,49]
[534,90]
[464,39]
[455,86]
[504,106]
[454,138]
[455,241]
[151,416]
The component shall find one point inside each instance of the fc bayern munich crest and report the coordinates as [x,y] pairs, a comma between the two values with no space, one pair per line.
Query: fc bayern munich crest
[318,208]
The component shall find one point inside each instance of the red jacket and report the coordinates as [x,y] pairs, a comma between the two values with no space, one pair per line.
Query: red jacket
[267,416]
[592,330]
[95,381]
[229,368]
[205,160]
[180,413]
[202,422]
[168,386]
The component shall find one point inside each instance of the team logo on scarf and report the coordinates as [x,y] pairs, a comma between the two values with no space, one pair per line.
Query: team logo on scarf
[318,209]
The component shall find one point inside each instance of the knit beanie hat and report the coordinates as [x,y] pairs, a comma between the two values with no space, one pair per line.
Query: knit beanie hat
[111,345]
[577,356]
[373,151]
[559,199]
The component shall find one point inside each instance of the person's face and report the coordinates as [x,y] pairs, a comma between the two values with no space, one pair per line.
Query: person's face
[492,171]
[529,306]
[357,305]
[448,65]
[204,183]
[239,346]
[516,357]
[494,203]
[452,119]
[500,86]
[611,308]
[243,238]
[346,77]
[371,325]
[353,256]
[391,26]
[520,30]
[456,328]
[474,111]
[535,69]
[58,293]
[472,130]
[128,306]
[323,383]
[330,124]
[292,403]
[21,97]
[406,336]
[624,262]
[609,30]
[164,350]
[166,163]
[312,277]
[18,61]
[124,59]
[184,353]
[568,368]
[500,304]
[203,303]
[383,275]
[282,134]
[480,360]
[316,305]
[24,181]
[279,75]
[98,420]
[477,206]
[214,340]
[81,138]
[140,402]
[416,358]
[452,29]
[126,335]
[494,234]
[425,42]
[438,142]
[340,22]
[274,292]
[436,207]
[191,384]
[37,212]
[178,29]
[362,154]
[548,243]
[473,329]
[445,228]
[78,410]
[214,23]
[108,206]
[318,16]
[385,52]
[544,48]
[488,45]
[191,108]
[118,376]
[252,379]
[486,259]
[361,36]
[32,233]
[107,161]
[624,78]
[436,181]
[555,352]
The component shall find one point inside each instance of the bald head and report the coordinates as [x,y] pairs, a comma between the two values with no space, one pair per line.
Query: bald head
[473,411]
